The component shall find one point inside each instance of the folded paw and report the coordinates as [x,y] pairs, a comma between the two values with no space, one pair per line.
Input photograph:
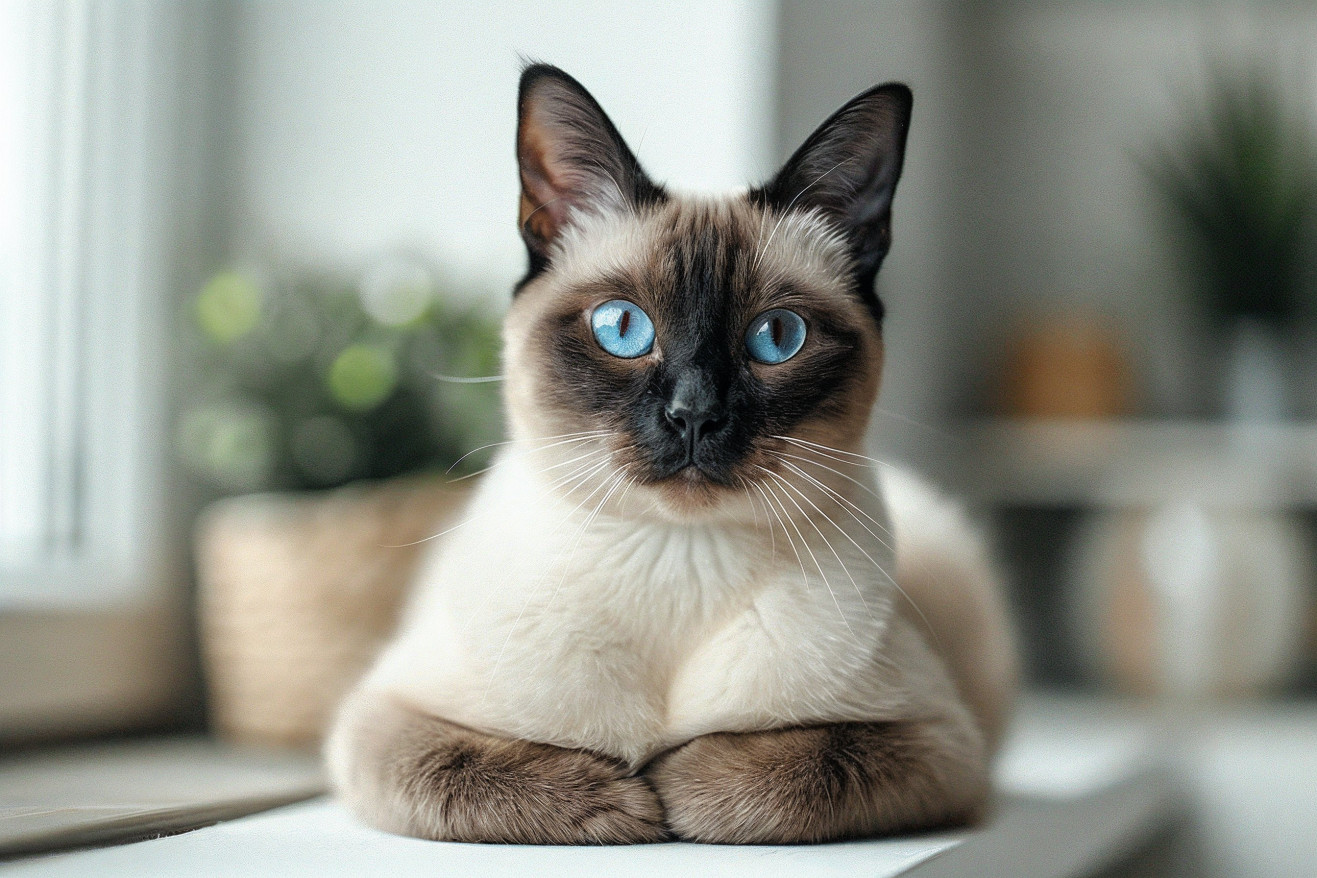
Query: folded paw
[405,771]
[816,784]
[498,790]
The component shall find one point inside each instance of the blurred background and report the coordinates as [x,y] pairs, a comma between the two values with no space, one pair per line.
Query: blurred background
[240,242]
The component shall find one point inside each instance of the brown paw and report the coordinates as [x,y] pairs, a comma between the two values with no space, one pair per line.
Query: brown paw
[812,784]
[493,790]
[405,771]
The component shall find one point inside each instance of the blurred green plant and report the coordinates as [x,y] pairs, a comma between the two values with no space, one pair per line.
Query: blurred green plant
[1240,180]
[314,380]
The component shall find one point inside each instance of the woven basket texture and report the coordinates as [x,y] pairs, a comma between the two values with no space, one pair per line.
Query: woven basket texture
[298,592]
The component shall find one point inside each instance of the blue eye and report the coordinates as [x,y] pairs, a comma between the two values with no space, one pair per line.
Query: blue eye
[775,336]
[622,329]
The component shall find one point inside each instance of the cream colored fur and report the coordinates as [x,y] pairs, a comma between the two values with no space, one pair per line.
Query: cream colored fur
[788,652]
[630,632]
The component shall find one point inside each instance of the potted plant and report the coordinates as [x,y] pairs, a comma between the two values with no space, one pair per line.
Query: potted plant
[319,404]
[1202,593]
[1240,182]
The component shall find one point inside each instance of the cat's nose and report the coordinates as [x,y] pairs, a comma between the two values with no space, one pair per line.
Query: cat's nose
[693,424]
[694,411]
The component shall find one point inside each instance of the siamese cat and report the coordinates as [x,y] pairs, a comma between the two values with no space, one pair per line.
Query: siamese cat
[682,603]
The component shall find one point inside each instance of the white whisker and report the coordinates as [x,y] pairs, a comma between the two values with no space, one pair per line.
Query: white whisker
[592,453]
[615,481]
[840,451]
[498,659]
[837,495]
[622,199]
[471,518]
[463,523]
[526,222]
[842,502]
[565,437]
[763,215]
[867,488]
[858,591]
[754,505]
[580,476]
[741,483]
[621,500]
[804,577]
[822,574]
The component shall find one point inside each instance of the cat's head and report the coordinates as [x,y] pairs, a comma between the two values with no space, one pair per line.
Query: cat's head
[693,334]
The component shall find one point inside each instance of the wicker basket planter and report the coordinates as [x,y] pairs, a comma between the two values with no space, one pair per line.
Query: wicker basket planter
[297,593]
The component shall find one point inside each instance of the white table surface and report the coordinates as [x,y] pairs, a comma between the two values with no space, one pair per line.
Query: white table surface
[1079,783]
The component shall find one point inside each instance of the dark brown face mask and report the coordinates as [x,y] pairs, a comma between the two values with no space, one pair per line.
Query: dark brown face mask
[698,352]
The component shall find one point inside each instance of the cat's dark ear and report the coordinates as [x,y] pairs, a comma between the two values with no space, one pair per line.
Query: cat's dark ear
[572,160]
[848,169]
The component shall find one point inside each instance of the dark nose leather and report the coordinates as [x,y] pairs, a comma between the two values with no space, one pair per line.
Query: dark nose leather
[692,424]
[694,411]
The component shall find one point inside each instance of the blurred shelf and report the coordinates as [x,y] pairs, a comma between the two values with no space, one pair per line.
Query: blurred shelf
[1134,463]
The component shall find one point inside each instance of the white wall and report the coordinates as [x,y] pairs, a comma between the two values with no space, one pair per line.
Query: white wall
[1062,100]
[359,126]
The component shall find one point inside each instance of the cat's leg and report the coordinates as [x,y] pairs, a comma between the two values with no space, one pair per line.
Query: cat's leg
[823,782]
[405,771]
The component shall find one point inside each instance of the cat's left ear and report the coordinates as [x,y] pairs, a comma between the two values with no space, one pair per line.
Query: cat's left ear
[572,160]
[848,169]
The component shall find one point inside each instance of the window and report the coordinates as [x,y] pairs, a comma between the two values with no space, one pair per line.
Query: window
[75,303]
[90,635]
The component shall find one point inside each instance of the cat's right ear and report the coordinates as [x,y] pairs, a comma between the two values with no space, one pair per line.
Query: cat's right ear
[572,160]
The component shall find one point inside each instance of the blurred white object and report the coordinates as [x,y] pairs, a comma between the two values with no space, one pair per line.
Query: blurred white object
[1255,387]
[1192,572]
[1189,602]
[1183,567]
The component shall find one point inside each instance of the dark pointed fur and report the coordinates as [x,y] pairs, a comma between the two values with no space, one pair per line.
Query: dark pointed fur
[848,169]
[702,287]
[817,784]
[415,774]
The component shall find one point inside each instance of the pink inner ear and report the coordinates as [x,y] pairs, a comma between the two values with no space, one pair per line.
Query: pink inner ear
[543,205]
[571,158]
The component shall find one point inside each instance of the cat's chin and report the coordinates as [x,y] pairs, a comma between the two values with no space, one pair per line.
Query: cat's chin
[690,492]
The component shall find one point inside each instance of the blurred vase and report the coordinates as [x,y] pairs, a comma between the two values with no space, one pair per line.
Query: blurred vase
[297,593]
[1066,366]
[1188,603]
[1305,372]
[1256,385]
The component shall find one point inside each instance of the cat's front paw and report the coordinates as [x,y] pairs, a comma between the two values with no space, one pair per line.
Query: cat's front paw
[527,793]
[815,784]
[405,771]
